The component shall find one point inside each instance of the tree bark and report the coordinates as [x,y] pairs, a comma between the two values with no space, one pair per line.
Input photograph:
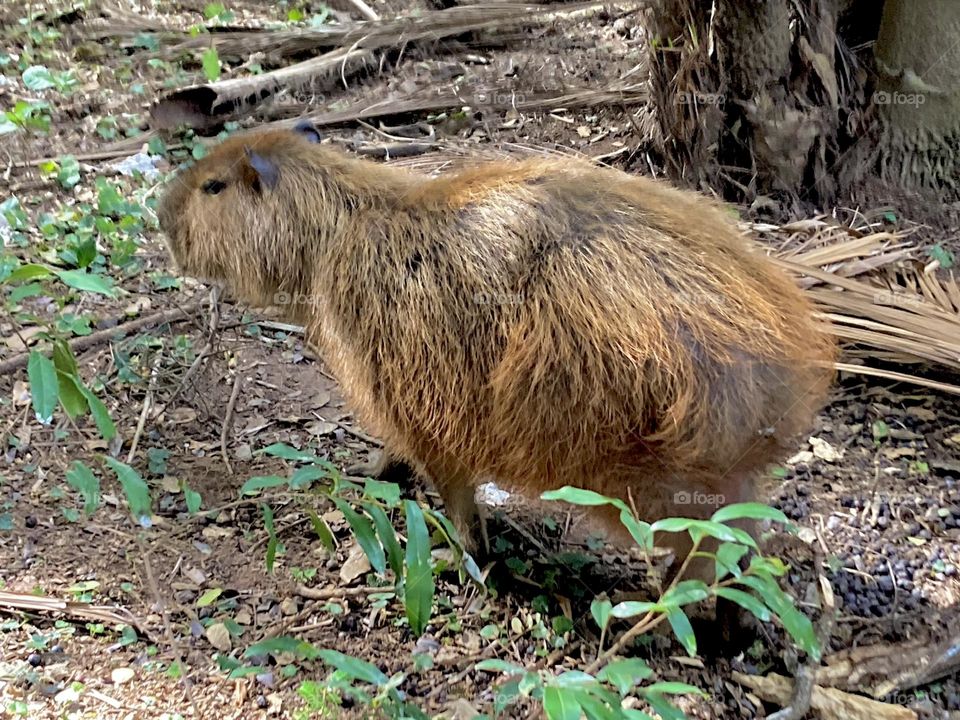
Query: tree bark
[787,102]
[918,96]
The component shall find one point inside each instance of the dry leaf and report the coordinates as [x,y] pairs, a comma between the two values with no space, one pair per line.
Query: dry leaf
[219,637]
[824,450]
[356,565]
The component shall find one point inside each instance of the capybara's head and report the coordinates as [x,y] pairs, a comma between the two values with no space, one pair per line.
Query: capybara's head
[233,217]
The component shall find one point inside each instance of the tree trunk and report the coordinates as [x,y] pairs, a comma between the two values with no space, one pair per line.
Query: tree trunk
[801,102]
[918,96]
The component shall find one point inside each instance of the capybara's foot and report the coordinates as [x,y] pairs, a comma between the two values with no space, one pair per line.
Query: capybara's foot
[385,468]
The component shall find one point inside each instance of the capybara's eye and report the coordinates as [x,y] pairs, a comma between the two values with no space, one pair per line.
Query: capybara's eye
[213,187]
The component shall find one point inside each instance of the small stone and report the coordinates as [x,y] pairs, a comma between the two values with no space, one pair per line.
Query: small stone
[288,606]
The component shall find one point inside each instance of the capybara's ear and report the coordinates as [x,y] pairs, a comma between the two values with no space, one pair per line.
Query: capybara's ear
[260,170]
[308,130]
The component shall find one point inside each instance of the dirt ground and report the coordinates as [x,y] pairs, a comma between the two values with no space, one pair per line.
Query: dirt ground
[880,509]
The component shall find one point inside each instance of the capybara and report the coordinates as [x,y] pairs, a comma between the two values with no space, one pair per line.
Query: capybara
[543,323]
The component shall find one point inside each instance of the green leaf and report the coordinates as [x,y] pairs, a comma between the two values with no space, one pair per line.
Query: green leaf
[213,10]
[82,479]
[600,609]
[134,488]
[271,552]
[363,531]
[727,559]
[388,537]
[880,430]
[499,666]
[674,688]
[69,174]
[260,482]
[560,704]
[941,255]
[209,597]
[73,401]
[388,493]
[685,593]
[193,500]
[323,531]
[284,451]
[640,531]
[768,566]
[797,625]
[31,271]
[283,645]
[211,64]
[44,387]
[625,675]
[578,496]
[98,410]
[632,608]
[683,630]
[353,667]
[88,282]
[37,77]
[303,477]
[754,511]
[699,528]
[746,601]
[418,581]
[595,708]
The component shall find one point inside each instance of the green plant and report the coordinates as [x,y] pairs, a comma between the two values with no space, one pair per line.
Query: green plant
[573,694]
[369,510]
[351,677]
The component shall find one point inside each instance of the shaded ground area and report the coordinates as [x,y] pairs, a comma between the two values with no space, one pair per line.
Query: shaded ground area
[875,493]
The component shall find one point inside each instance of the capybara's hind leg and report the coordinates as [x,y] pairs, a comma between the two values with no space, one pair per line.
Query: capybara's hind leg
[456,489]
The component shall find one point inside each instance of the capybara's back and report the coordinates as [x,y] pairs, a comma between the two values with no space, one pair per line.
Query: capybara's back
[544,323]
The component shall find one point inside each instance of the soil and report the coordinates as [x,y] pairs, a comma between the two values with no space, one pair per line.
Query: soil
[875,493]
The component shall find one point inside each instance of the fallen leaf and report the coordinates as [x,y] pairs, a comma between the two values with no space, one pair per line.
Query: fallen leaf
[318,428]
[182,416]
[824,450]
[356,565]
[219,637]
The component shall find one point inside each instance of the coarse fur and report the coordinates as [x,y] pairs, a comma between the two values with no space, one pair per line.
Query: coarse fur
[543,322]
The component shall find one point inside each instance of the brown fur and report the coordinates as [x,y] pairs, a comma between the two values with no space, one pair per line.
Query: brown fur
[544,323]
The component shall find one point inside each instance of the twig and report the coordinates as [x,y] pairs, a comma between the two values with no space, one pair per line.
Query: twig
[805,675]
[102,613]
[165,614]
[646,623]
[147,404]
[365,10]
[227,420]
[87,341]
[212,328]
